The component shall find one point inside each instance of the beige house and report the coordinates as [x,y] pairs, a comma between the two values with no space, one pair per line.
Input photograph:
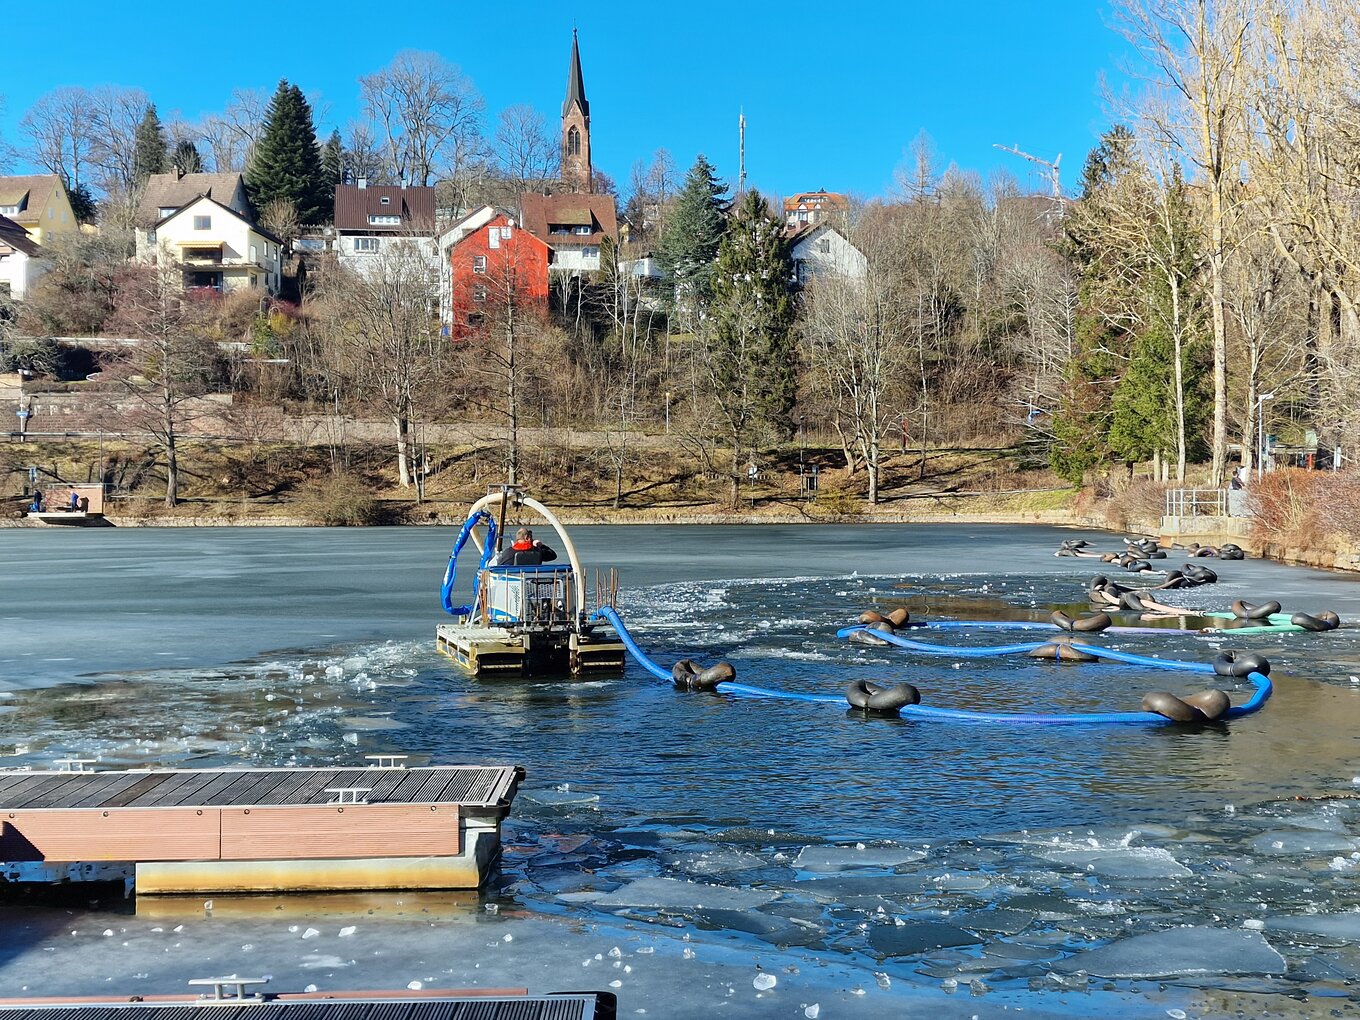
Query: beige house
[218,248]
[39,204]
[21,261]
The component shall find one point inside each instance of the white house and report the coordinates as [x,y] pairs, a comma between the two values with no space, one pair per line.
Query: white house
[219,248]
[822,250]
[21,260]
[371,220]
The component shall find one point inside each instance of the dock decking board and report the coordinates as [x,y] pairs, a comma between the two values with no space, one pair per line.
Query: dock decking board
[575,1006]
[470,786]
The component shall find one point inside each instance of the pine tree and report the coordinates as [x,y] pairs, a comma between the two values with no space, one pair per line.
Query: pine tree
[689,245]
[333,168]
[186,157]
[149,151]
[287,161]
[1081,424]
[333,160]
[748,338]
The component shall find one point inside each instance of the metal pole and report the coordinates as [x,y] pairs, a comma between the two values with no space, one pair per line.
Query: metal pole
[1260,436]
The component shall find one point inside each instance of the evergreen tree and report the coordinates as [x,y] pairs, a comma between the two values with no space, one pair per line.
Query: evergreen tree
[83,205]
[149,147]
[333,167]
[186,157]
[333,160]
[689,244]
[287,161]
[748,337]
[1081,424]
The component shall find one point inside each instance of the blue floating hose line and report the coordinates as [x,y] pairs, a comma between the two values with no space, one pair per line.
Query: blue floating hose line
[930,713]
[451,571]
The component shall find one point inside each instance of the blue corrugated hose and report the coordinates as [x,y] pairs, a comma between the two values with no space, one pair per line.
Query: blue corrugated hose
[930,713]
[451,571]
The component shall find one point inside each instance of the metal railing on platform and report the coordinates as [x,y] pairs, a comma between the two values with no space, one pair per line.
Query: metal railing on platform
[1197,503]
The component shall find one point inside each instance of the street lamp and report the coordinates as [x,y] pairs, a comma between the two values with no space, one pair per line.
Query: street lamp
[1261,432]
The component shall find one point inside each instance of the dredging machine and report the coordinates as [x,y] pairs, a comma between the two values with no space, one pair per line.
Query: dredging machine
[526,617]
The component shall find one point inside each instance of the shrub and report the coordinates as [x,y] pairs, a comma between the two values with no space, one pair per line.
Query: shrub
[338,501]
[1306,509]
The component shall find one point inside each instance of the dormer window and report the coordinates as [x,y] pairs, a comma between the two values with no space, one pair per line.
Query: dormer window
[583,230]
[9,210]
[385,200]
[380,220]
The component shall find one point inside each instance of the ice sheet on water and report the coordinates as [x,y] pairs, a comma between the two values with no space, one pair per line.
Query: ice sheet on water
[716,861]
[999,920]
[670,893]
[1308,841]
[1179,952]
[560,798]
[766,927]
[1333,926]
[848,858]
[914,937]
[1134,862]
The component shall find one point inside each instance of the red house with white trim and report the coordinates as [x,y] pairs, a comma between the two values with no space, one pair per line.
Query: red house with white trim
[491,263]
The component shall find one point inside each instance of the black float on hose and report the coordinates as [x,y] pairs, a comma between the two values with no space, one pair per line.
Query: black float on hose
[876,699]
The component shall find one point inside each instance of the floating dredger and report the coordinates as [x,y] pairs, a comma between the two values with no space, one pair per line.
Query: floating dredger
[528,615]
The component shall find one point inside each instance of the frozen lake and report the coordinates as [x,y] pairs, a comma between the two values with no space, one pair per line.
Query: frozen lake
[867,864]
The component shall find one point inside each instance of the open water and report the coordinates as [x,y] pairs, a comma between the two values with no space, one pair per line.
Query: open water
[870,865]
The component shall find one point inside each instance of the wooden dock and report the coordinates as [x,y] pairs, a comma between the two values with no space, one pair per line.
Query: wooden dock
[470,1004]
[261,830]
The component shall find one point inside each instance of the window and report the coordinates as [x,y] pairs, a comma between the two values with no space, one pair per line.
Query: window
[9,210]
[824,246]
[584,231]
[51,214]
[590,251]
[254,254]
[479,293]
[573,141]
[493,237]
[385,200]
[366,245]
[150,237]
[479,263]
[384,221]
[505,233]
[165,210]
[254,282]
[475,318]
[202,222]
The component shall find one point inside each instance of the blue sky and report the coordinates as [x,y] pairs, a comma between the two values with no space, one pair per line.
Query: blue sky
[833,92]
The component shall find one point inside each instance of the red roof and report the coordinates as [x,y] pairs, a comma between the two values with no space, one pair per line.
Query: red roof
[554,218]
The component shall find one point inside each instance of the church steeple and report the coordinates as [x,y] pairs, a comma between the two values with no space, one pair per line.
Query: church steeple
[576,169]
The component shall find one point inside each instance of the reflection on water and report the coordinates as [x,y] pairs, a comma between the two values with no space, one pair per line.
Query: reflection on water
[1029,843]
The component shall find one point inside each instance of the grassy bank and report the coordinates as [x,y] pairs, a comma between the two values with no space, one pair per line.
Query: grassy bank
[660,481]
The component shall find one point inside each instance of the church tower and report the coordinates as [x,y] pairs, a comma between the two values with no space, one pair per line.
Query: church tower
[576,170]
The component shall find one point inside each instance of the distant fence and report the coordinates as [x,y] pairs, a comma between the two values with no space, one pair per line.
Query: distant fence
[1197,503]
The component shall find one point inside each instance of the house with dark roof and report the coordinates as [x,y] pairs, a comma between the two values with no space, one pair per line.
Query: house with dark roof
[373,220]
[218,248]
[39,204]
[21,260]
[572,225]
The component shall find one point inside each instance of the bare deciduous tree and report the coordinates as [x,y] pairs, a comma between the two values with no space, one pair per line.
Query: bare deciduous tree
[62,134]
[427,113]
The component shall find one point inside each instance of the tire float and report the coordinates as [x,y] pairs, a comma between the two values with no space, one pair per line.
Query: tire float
[877,699]
[687,675]
[1244,610]
[1325,620]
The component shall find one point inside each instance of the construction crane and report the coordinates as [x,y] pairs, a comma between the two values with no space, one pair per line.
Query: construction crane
[1051,167]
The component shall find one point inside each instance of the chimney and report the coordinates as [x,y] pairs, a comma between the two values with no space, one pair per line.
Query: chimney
[363,182]
[403,181]
[179,172]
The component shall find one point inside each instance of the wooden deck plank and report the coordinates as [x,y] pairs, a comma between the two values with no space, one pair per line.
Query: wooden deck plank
[39,785]
[145,783]
[174,789]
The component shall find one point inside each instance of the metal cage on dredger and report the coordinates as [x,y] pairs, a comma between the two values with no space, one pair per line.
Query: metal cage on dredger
[523,618]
